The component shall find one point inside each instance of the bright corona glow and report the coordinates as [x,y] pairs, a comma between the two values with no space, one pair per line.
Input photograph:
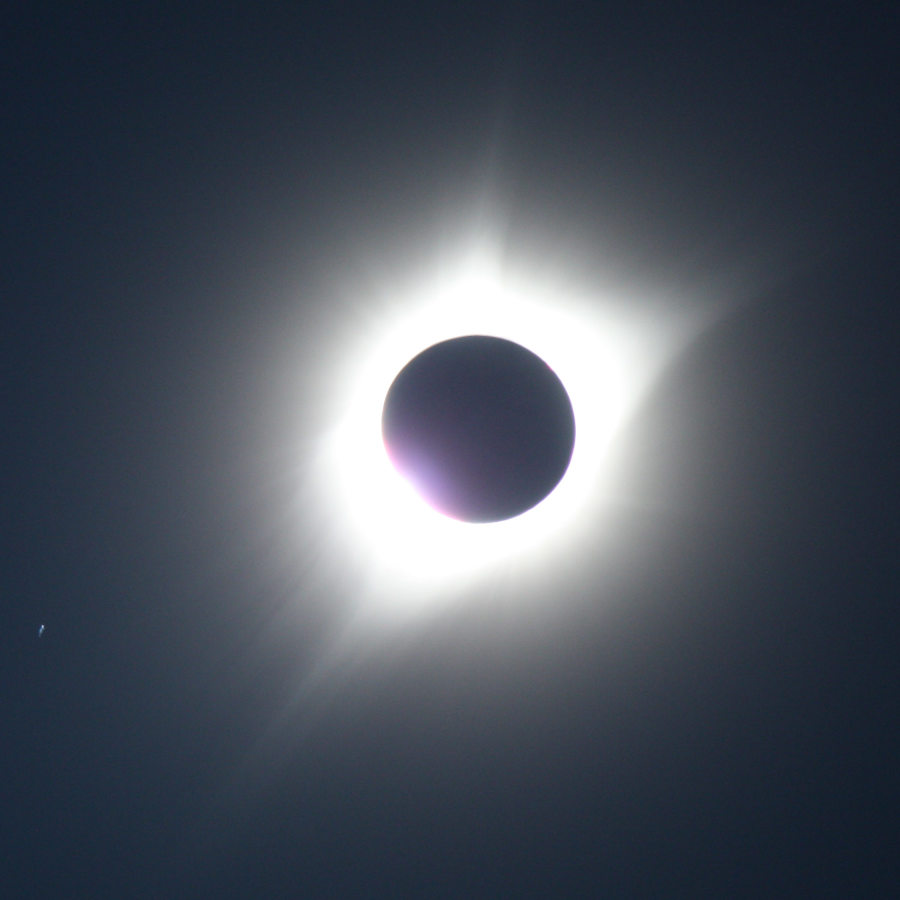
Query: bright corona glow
[605,357]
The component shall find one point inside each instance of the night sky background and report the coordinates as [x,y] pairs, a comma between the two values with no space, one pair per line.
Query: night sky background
[183,188]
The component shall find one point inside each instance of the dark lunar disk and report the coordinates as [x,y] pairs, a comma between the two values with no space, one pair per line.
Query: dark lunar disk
[480,426]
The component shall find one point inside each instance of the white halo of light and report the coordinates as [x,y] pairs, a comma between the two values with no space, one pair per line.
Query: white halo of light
[606,351]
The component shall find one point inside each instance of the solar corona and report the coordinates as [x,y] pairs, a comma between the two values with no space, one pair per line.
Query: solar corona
[468,437]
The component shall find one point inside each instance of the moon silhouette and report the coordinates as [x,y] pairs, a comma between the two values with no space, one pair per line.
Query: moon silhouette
[480,426]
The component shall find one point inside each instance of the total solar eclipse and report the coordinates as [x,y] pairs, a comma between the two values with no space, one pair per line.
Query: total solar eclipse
[480,426]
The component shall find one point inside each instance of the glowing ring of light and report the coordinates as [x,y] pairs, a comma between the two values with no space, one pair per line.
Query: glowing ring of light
[405,545]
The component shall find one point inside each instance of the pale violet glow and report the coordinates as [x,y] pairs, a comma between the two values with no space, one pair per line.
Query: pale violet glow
[605,350]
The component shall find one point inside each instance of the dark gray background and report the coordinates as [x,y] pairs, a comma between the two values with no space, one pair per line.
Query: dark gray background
[182,186]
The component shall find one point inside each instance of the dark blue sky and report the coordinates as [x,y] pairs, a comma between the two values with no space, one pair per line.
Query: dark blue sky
[183,185]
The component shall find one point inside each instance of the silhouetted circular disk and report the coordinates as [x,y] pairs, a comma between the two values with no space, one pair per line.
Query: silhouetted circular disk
[480,426]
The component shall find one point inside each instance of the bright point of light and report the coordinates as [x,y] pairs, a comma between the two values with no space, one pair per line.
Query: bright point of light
[606,351]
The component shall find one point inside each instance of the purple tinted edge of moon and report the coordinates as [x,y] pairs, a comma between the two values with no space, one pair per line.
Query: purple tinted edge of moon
[480,426]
